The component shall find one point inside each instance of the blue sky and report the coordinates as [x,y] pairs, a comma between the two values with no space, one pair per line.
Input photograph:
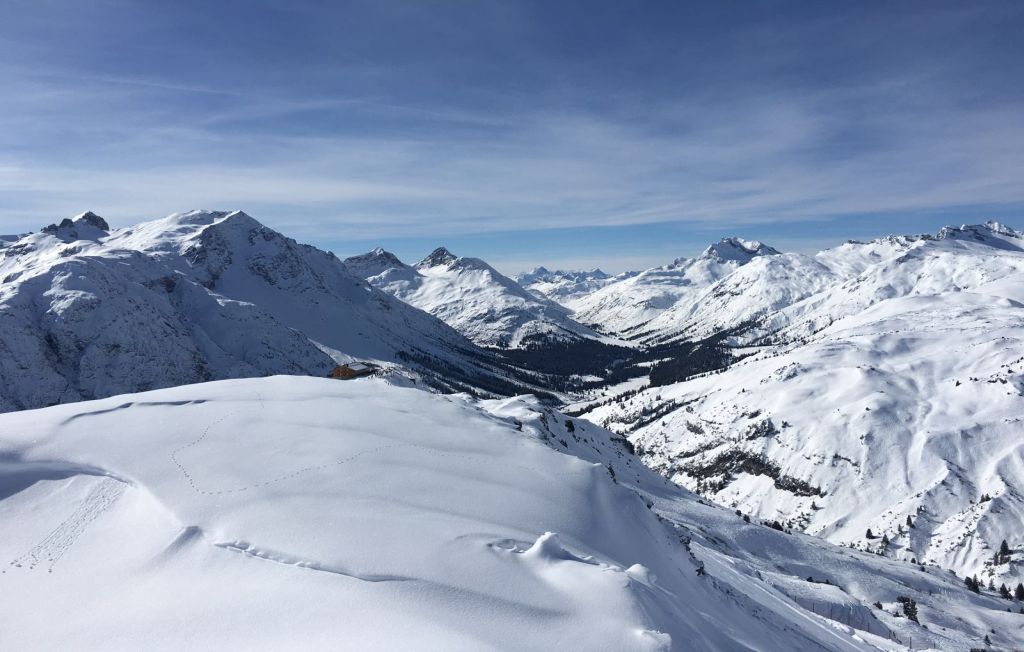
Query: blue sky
[575,134]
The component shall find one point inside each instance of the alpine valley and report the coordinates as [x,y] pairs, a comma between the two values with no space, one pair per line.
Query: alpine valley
[745,450]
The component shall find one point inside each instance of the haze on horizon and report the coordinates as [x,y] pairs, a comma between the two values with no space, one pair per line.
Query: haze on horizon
[572,134]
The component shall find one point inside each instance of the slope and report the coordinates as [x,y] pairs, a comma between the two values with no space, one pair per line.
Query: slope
[899,379]
[306,512]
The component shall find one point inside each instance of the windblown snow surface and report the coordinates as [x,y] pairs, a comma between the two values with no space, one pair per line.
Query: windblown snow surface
[304,513]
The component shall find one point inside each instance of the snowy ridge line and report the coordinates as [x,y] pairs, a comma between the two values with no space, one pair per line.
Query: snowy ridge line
[249,550]
[124,406]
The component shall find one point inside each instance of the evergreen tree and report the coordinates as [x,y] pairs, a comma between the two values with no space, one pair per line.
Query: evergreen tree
[885,539]
[910,610]
[972,584]
[1003,556]
[869,535]
[1004,592]
[1019,592]
[910,523]
[991,585]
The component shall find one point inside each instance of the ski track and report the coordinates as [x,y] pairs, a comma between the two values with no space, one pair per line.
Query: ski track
[50,550]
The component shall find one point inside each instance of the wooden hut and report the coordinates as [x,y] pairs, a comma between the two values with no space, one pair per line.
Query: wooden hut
[353,370]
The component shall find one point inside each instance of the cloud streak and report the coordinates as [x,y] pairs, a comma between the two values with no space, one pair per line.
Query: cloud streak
[386,146]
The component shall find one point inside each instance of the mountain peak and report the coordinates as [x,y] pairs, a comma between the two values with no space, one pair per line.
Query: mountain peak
[373,263]
[241,219]
[439,256]
[738,249]
[92,219]
[84,226]
[991,233]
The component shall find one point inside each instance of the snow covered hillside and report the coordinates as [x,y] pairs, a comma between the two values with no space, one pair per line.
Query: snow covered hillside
[87,312]
[296,512]
[471,296]
[625,306]
[875,387]
[871,395]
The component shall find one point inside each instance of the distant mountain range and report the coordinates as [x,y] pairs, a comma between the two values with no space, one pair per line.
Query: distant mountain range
[873,386]
[472,297]
[565,286]
[87,312]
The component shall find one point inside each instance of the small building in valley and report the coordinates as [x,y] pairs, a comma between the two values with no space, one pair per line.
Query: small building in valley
[353,370]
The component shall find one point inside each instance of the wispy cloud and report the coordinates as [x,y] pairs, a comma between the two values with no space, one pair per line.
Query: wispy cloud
[377,144]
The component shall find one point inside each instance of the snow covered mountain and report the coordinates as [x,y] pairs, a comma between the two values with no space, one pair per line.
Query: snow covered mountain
[303,512]
[87,312]
[472,297]
[761,287]
[870,395]
[627,305]
[565,287]
[875,387]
